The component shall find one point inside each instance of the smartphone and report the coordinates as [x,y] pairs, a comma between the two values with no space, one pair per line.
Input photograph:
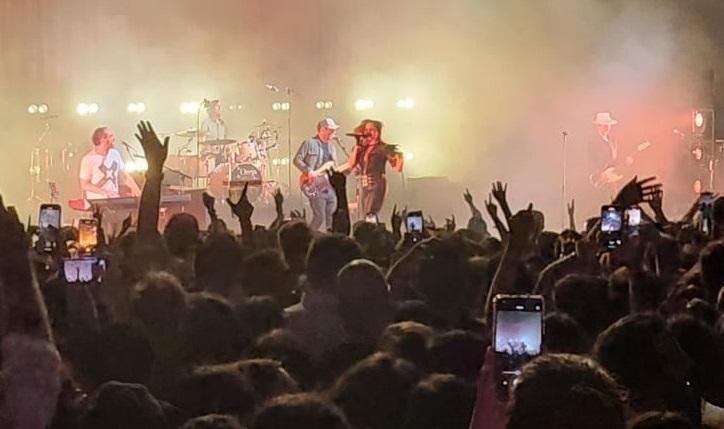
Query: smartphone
[48,226]
[517,336]
[706,202]
[88,235]
[414,222]
[633,221]
[372,218]
[612,221]
[84,270]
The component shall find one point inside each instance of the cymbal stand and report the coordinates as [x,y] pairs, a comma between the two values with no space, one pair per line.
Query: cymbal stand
[36,169]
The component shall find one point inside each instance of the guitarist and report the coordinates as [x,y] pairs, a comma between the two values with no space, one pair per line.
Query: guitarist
[312,154]
[605,156]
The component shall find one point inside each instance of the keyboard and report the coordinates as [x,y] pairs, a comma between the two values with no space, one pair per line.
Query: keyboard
[126,203]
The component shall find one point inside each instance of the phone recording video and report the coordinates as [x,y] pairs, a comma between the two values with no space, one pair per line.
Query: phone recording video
[612,222]
[633,221]
[84,270]
[88,235]
[49,224]
[518,336]
[414,222]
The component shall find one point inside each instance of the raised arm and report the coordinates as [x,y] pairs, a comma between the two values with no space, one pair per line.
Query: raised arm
[31,364]
[156,153]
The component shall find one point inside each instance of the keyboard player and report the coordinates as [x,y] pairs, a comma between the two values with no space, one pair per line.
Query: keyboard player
[102,173]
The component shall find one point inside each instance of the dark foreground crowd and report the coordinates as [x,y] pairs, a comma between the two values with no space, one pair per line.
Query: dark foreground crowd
[365,327]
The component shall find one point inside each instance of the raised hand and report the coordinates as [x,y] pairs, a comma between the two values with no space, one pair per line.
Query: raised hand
[490,206]
[571,208]
[637,191]
[468,197]
[338,180]
[209,203]
[279,202]
[155,151]
[500,190]
[127,222]
[242,209]
[657,201]
[98,214]
[396,220]
[296,214]
[450,225]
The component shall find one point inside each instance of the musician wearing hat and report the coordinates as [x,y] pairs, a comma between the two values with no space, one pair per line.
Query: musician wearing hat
[370,157]
[604,157]
[317,155]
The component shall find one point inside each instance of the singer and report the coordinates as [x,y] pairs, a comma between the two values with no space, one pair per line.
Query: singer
[101,170]
[369,159]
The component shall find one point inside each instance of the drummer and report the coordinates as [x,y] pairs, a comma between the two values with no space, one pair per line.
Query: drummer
[214,128]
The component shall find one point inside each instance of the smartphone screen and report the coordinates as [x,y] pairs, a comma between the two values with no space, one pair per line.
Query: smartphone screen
[518,336]
[49,225]
[414,222]
[88,234]
[611,219]
[84,270]
[633,221]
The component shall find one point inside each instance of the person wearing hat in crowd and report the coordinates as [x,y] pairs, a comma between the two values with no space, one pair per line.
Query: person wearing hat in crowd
[313,153]
[370,157]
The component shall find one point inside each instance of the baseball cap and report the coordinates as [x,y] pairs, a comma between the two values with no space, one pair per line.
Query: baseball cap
[327,122]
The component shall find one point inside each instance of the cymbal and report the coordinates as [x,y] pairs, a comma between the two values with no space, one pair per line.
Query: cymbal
[267,124]
[190,133]
[221,142]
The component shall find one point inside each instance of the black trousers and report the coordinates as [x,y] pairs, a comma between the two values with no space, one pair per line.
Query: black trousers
[374,191]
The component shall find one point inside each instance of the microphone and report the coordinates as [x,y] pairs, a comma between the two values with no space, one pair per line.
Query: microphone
[354,135]
[565,133]
[271,87]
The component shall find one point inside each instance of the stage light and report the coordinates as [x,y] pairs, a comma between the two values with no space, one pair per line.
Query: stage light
[324,105]
[409,156]
[364,104]
[277,106]
[43,108]
[286,106]
[33,109]
[698,120]
[406,103]
[93,108]
[188,108]
[240,107]
[82,109]
[702,123]
[136,108]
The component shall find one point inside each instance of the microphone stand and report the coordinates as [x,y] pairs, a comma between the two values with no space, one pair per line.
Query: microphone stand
[564,179]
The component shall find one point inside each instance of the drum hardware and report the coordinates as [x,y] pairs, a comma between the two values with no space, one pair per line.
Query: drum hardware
[40,165]
[190,133]
[220,142]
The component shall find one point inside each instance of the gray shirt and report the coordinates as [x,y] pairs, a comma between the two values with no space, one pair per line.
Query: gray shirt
[310,155]
[215,129]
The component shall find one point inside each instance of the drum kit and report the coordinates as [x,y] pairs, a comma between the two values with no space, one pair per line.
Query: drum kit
[225,165]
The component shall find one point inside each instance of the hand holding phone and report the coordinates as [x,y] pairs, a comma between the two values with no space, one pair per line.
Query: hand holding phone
[88,235]
[517,336]
[612,222]
[84,270]
[49,220]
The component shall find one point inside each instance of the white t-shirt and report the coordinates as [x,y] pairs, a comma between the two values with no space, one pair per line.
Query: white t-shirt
[102,171]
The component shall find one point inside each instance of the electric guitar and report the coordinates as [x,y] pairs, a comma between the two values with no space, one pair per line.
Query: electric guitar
[611,175]
[311,187]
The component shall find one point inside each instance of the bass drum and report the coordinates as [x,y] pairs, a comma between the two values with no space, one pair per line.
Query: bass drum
[219,184]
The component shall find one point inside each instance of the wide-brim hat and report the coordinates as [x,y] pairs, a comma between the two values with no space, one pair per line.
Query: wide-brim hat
[604,118]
